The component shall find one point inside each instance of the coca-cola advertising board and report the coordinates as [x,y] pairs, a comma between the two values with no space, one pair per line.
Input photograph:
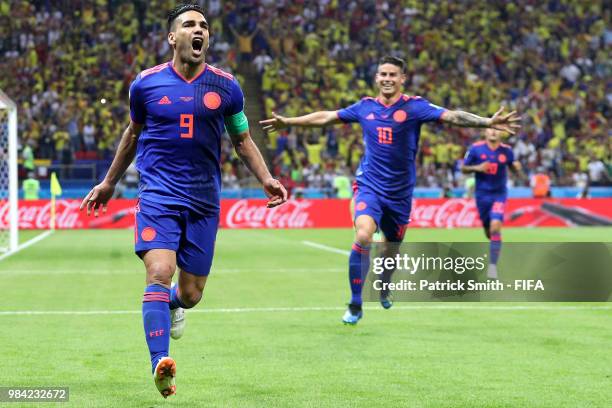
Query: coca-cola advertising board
[327,213]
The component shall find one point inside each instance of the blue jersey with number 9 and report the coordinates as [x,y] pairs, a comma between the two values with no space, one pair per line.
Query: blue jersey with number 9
[178,153]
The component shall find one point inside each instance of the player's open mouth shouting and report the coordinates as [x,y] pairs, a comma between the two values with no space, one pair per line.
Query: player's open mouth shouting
[197,45]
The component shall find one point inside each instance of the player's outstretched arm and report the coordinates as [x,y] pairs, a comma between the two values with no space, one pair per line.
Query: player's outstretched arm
[508,123]
[517,169]
[251,156]
[315,119]
[100,194]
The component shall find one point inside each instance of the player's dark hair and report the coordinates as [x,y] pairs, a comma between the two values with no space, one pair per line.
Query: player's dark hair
[398,62]
[180,9]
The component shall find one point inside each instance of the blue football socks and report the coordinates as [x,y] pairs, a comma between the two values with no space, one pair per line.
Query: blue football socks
[359,262]
[156,319]
[495,247]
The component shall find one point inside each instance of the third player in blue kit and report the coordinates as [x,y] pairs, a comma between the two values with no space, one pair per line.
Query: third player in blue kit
[386,177]
[490,160]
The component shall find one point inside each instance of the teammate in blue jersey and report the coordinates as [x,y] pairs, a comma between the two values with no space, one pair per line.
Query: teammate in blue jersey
[490,159]
[179,111]
[386,177]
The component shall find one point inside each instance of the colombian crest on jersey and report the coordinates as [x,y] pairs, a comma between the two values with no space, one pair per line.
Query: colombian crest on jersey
[212,100]
[400,116]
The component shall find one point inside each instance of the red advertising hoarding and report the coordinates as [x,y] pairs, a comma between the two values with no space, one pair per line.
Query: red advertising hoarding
[330,213]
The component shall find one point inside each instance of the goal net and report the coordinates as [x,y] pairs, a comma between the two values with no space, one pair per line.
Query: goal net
[8,174]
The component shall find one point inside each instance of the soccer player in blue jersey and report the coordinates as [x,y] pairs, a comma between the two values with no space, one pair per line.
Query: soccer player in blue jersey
[490,159]
[179,111]
[386,177]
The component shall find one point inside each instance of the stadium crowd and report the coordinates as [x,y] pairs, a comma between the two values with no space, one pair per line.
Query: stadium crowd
[547,59]
[73,62]
[69,64]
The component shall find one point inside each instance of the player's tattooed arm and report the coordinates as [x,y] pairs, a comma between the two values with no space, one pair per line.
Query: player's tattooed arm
[315,119]
[465,119]
[508,123]
[126,151]
[250,155]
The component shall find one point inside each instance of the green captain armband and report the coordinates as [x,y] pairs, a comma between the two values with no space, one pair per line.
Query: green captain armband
[237,123]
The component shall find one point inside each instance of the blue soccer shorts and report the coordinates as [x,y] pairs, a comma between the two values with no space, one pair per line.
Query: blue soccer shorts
[191,235]
[391,215]
[491,207]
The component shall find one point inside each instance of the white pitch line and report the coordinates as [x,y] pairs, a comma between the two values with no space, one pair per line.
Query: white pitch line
[28,244]
[307,309]
[326,248]
[138,271]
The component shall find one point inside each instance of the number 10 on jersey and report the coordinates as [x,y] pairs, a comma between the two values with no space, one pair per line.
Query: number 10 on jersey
[385,135]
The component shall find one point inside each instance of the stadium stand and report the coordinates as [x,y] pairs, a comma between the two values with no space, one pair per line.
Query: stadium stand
[73,62]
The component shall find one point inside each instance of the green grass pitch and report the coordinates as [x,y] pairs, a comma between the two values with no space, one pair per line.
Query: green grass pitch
[268,332]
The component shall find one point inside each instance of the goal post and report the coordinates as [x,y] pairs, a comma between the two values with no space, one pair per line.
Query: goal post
[8,175]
